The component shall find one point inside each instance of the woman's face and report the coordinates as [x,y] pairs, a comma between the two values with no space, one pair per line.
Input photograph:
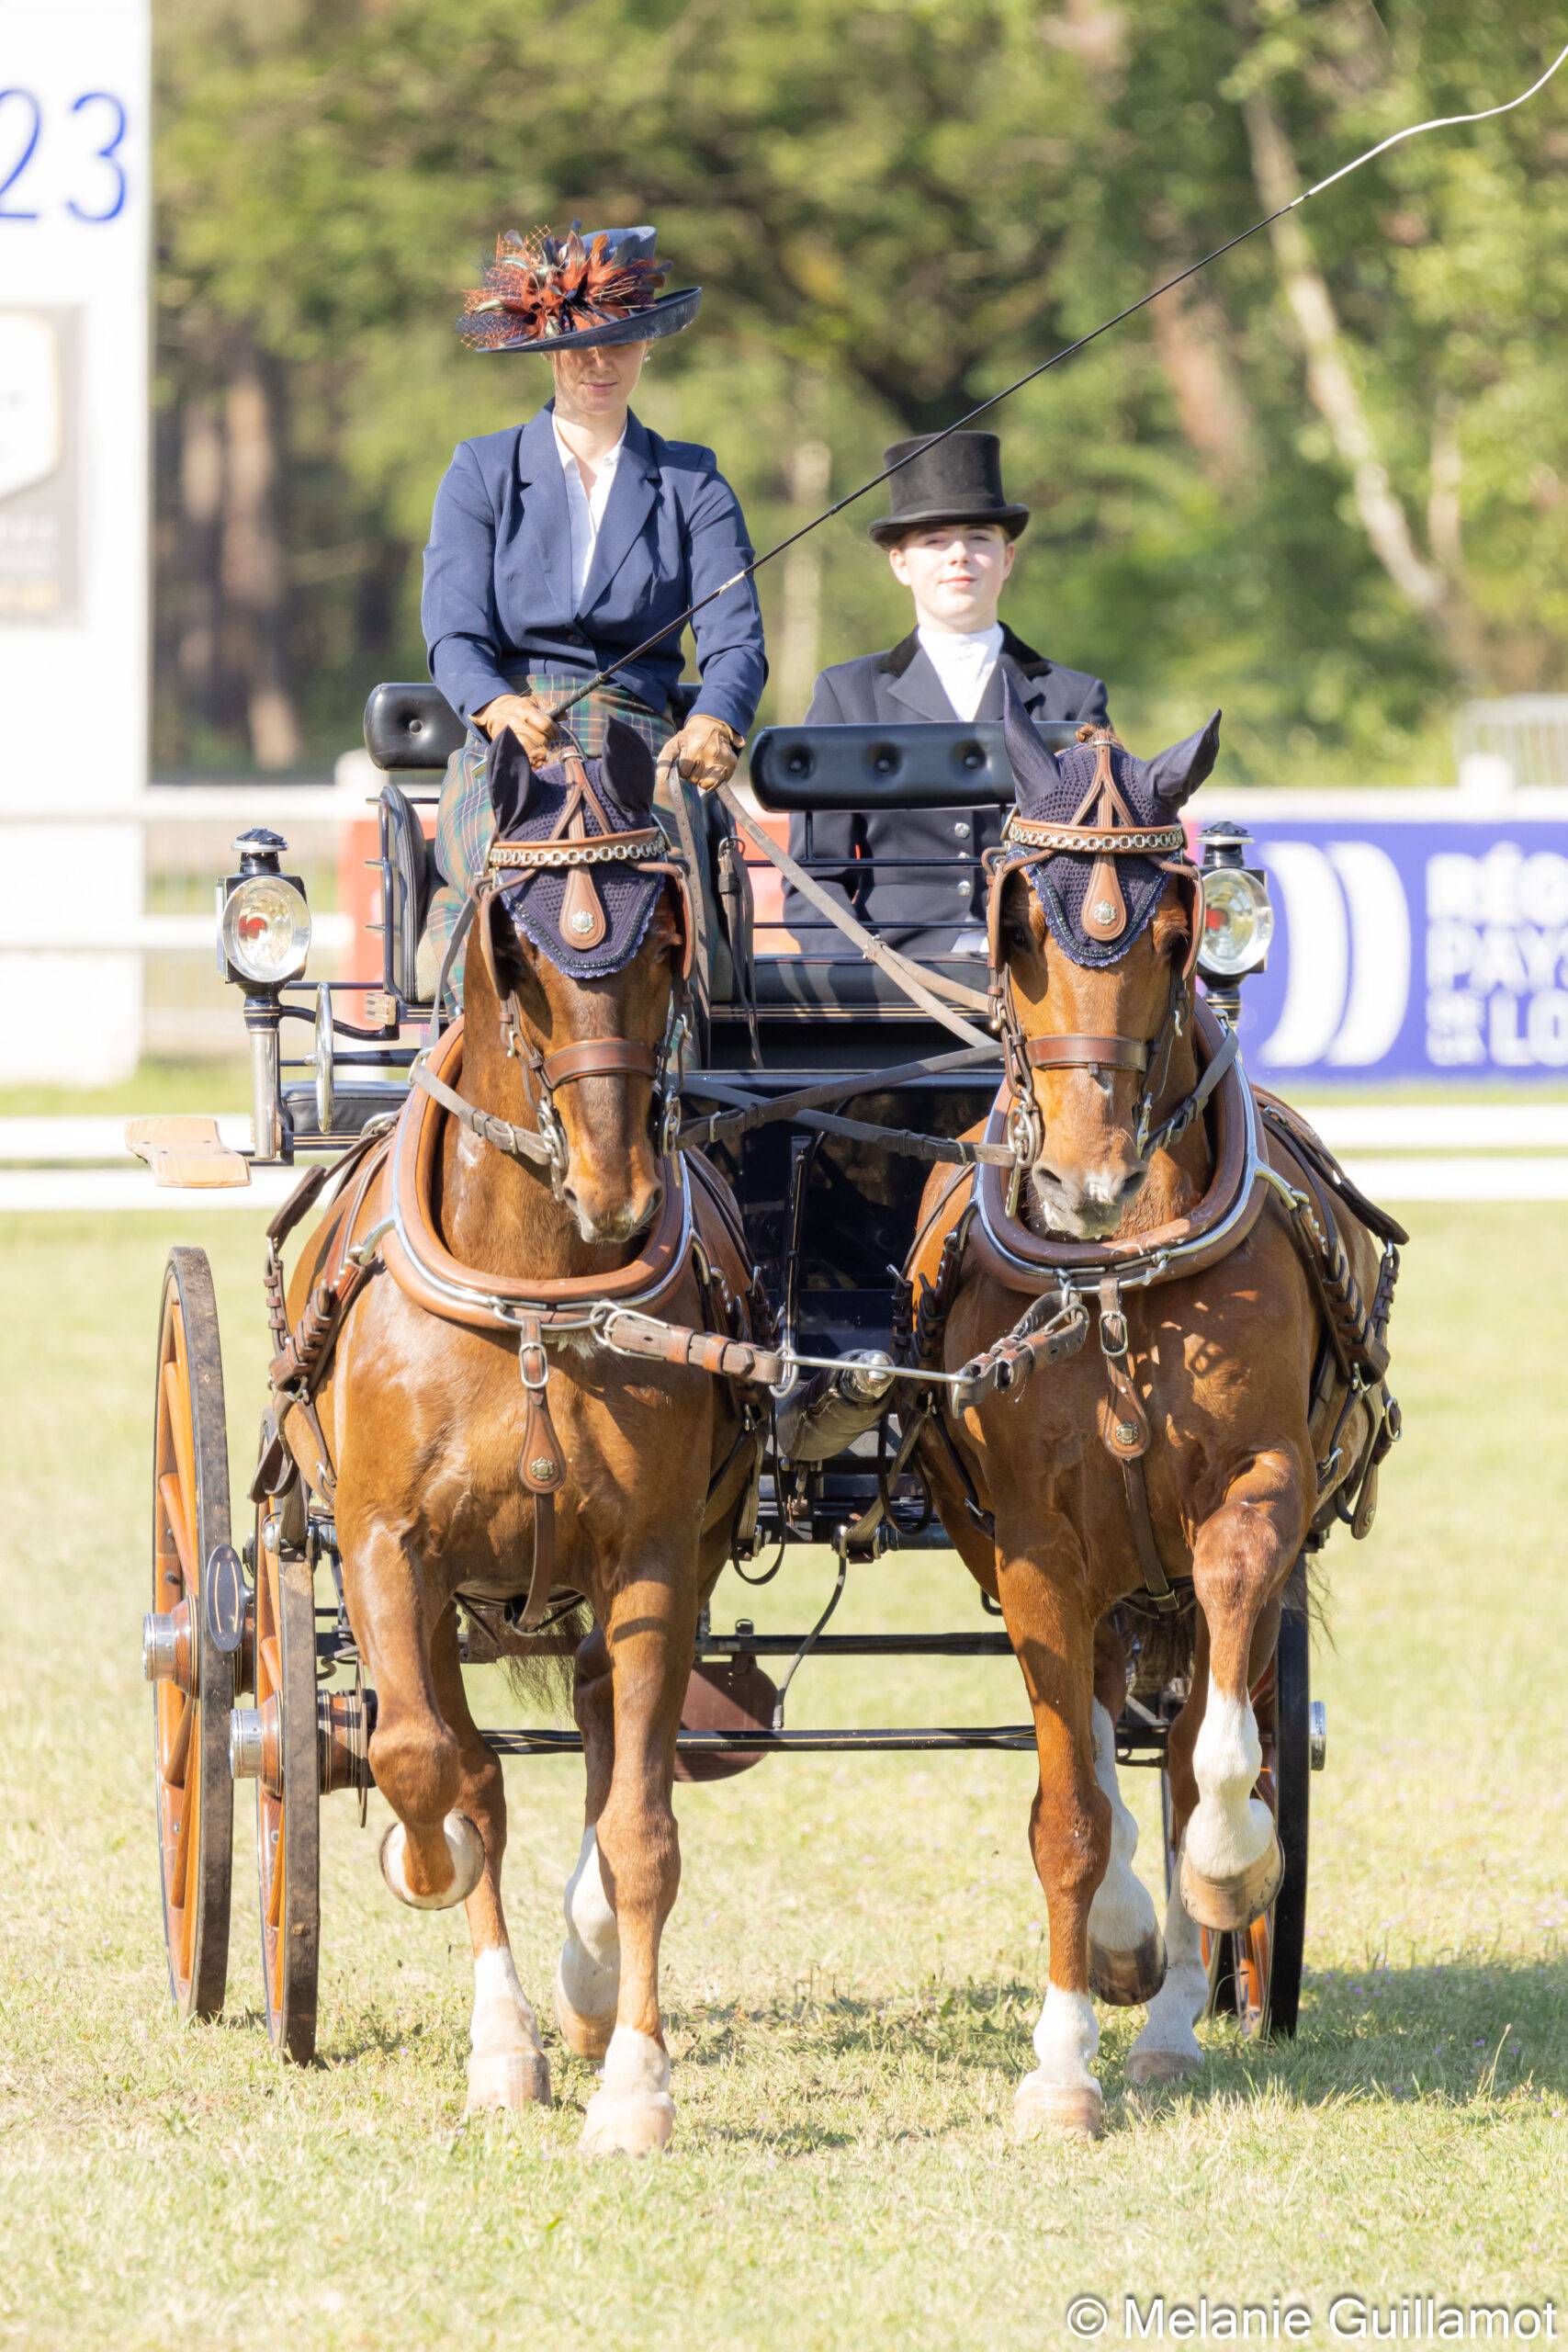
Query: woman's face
[597,380]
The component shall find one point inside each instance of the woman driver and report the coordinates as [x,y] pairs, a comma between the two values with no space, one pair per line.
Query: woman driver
[559,545]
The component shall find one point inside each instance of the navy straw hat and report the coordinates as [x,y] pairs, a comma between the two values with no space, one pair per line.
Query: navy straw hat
[546,293]
[958,480]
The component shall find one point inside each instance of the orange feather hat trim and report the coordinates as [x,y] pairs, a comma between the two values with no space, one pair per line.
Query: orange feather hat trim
[539,287]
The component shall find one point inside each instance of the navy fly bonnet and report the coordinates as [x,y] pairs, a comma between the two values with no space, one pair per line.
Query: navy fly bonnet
[1106,825]
[579,858]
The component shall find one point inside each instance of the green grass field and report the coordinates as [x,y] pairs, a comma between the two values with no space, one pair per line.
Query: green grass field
[855,1963]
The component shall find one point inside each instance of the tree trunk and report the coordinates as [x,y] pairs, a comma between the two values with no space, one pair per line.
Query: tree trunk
[254,577]
[1436,594]
[801,593]
[1193,345]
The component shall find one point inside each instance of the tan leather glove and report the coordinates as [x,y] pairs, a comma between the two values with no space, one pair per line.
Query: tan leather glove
[529,722]
[704,751]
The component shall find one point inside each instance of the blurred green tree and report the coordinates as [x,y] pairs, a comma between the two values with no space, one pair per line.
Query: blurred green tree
[1324,485]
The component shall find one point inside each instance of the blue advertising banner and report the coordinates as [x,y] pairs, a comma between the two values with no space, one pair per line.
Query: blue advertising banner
[1414,948]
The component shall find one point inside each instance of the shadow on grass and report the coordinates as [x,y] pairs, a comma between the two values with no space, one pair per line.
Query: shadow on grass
[1451,2032]
[967,2024]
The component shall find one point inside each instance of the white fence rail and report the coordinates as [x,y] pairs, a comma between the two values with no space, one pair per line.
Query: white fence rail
[169,848]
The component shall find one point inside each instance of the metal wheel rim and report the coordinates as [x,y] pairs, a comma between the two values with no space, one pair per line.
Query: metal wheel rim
[287,1825]
[193,1793]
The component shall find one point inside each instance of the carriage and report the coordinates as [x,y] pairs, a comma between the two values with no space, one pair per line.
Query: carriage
[248,1645]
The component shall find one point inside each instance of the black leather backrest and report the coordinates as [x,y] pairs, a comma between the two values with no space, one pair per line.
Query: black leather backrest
[923,765]
[410,881]
[411,727]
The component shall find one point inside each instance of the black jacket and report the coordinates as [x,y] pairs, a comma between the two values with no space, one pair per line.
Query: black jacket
[923,904]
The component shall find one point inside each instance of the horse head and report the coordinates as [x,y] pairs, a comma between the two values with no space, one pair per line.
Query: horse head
[1095,917]
[585,932]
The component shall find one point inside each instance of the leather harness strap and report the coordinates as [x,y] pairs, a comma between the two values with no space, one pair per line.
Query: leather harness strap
[600,1058]
[1075,1049]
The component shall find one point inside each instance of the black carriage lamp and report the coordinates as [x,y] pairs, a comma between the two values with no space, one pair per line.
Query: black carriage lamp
[1239,922]
[264,937]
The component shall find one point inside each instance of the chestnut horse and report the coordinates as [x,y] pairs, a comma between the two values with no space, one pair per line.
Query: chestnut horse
[565,1054]
[1205,1435]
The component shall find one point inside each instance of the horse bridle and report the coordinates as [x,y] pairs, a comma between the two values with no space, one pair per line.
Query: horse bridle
[1025,840]
[642,850]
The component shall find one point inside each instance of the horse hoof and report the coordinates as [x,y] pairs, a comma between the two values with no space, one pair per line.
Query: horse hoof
[509,2079]
[627,2123]
[1127,1979]
[1147,2068]
[1233,1903]
[585,2036]
[1051,2111]
[464,1848]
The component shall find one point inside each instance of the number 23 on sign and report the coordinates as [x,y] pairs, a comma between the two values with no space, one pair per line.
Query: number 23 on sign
[93,184]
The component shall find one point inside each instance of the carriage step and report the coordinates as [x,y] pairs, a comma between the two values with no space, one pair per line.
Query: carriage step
[187,1152]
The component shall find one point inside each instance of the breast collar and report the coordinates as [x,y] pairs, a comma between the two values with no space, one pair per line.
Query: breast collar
[426,1271]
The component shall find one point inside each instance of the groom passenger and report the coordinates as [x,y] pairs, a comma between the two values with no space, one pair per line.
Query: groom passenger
[951,538]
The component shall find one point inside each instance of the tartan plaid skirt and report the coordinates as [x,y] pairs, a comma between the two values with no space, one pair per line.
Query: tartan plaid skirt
[465,821]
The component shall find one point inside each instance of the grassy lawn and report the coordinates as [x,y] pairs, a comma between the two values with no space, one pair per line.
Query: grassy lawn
[855,1963]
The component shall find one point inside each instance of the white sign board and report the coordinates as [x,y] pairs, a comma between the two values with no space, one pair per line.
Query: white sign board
[76,229]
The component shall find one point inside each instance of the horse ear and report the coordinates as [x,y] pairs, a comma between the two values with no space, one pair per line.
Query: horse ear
[1034,769]
[509,780]
[628,766]
[1172,776]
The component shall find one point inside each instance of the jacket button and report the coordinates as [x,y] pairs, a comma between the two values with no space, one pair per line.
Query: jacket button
[961,889]
[962,831]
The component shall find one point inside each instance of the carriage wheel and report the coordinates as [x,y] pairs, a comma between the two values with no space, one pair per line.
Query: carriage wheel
[191,1678]
[1255,1973]
[278,1746]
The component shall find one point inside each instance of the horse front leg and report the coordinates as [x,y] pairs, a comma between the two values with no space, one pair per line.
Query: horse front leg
[1231,1861]
[588,1973]
[1126,1951]
[507,2067]
[1053,1633]
[432,1855]
[652,1628]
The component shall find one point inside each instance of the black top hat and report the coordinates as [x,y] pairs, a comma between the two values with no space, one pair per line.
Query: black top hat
[545,293]
[958,478]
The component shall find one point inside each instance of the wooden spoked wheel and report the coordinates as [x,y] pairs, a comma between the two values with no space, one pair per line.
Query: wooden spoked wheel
[287,1796]
[193,1682]
[1255,1973]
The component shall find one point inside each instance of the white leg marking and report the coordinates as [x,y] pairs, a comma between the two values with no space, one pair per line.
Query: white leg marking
[1167,2046]
[588,1974]
[631,2113]
[507,2067]
[502,2019]
[1065,2039]
[1230,1827]
[1121,1916]
[1061,2095]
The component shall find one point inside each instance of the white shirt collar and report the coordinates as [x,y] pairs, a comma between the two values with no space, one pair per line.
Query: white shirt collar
[964,664]
[604,465]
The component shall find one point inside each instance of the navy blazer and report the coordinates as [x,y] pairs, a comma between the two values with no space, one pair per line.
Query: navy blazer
[922,906]
[498,598]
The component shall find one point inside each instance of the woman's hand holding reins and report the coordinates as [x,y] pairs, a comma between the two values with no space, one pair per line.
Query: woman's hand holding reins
[704,751]
[529,722]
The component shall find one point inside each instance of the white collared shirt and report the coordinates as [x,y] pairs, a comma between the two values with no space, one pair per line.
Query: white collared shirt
[963,663]
[586,509]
